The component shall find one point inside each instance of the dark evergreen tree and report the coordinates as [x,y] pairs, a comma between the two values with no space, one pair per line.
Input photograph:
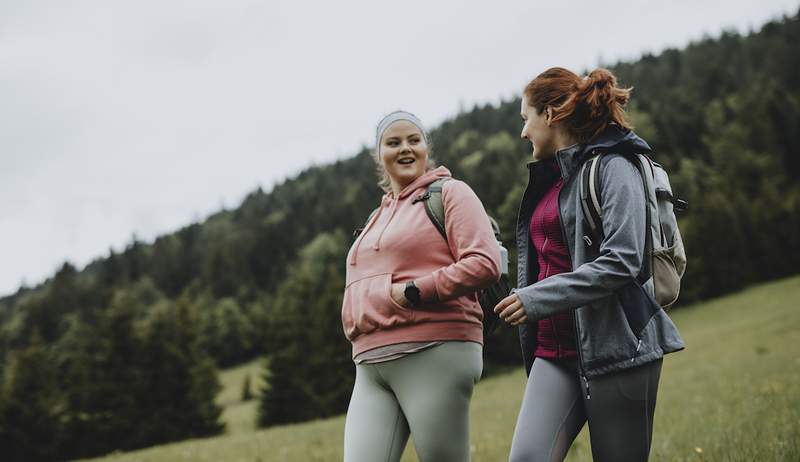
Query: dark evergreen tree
[180,378]
[311,372]
[247,391]
[31,406]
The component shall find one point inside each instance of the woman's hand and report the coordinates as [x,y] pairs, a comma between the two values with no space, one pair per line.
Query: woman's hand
[511,311]
[399,294]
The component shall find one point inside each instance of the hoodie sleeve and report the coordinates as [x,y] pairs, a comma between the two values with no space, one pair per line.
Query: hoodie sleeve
[472,243]
[621,251]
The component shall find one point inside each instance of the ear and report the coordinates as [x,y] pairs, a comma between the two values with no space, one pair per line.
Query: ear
[548,115]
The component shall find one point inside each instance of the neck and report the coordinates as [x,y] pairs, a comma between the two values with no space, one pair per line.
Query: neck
[564,139]
[397,188]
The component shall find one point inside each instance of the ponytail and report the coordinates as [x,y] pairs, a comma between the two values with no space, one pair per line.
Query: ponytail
[586,106]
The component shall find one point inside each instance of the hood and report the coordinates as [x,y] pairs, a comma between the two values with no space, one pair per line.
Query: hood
[612,139]
[423,181]
[616,139]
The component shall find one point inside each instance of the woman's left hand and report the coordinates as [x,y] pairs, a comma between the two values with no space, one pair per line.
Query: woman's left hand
[510,310]
[399,294]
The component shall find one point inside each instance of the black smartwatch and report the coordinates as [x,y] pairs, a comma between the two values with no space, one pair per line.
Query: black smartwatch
[412,294]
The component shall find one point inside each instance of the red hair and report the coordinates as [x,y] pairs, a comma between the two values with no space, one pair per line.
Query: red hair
[586,106]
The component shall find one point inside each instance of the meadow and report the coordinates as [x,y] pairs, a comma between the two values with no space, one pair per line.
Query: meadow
[732,395]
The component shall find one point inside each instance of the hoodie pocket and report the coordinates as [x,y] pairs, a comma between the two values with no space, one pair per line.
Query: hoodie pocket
[368,306]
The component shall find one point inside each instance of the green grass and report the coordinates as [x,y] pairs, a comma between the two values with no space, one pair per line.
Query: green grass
[238,415]
[732,395]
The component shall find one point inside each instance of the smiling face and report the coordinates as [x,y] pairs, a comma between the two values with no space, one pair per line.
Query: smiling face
[404,153]
[538,131]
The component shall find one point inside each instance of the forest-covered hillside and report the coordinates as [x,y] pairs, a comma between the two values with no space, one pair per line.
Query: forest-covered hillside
[140,333]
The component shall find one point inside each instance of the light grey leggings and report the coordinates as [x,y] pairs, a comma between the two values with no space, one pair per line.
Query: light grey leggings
[425,393]
[620,412]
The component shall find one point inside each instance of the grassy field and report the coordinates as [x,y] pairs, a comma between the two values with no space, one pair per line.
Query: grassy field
[732,395]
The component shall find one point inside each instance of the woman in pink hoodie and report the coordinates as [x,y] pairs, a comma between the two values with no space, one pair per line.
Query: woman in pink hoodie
[410,307]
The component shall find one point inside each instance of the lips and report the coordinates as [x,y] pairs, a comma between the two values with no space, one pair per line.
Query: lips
[406,161]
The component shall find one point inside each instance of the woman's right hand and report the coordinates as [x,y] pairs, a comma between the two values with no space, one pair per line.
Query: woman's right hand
[510,310]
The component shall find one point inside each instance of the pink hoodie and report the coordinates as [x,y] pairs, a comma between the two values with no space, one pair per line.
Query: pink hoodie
[400,244]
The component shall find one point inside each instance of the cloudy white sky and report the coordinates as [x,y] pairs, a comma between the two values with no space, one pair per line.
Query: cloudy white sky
[139,117]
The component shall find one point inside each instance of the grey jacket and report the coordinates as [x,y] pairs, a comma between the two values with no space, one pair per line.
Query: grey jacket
[618,323]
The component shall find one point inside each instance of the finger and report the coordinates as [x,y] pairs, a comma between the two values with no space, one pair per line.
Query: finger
[501,305]
[510,310]
[504,303]
[520,321]
[517,316]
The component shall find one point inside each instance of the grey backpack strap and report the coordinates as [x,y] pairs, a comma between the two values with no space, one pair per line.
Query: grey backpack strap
[590,202]
[434,205]
[590,199]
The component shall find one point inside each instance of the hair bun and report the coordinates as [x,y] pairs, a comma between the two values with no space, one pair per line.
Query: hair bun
[601,78]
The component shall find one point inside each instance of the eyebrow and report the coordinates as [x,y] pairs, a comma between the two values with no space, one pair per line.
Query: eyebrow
[395,137]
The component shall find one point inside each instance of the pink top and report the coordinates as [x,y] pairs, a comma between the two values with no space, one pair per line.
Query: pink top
[400,244]
[555,336]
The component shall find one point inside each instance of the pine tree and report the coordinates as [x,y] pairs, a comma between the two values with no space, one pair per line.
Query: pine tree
[247,392]
[181,379]
[31,406]
[310,370]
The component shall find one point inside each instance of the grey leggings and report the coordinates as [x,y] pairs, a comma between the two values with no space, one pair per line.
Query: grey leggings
[620,412]
[425,394]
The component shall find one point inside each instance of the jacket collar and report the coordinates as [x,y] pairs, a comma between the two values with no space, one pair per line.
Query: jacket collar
[613,138]
[569,159]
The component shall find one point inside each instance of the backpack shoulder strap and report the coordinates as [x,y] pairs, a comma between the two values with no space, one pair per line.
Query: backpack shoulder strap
[590,192]
[590,201]
[434,205]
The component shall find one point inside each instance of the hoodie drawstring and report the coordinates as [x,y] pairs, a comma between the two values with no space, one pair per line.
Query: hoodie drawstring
[363,233]
[424,180]
[377,245]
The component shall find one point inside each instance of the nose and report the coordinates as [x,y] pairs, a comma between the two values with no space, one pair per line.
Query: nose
[523,135]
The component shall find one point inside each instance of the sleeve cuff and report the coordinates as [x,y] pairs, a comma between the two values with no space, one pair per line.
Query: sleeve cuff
[528,305]
[427,289]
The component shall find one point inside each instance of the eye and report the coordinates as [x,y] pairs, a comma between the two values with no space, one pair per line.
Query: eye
[391,143]
[414,140]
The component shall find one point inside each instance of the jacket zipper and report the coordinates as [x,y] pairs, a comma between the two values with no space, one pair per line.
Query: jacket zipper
[638,347]
[574,316]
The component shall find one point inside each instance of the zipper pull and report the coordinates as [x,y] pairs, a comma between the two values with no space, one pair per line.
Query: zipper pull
[638,347]
[586,382]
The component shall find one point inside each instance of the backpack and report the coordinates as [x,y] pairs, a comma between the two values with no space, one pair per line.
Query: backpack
[488,297]
[666,256]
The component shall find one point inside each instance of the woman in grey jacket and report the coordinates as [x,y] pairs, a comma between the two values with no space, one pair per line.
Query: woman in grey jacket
[592,336]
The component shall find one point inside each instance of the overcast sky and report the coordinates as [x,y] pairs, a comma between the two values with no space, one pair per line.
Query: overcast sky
[142,116]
